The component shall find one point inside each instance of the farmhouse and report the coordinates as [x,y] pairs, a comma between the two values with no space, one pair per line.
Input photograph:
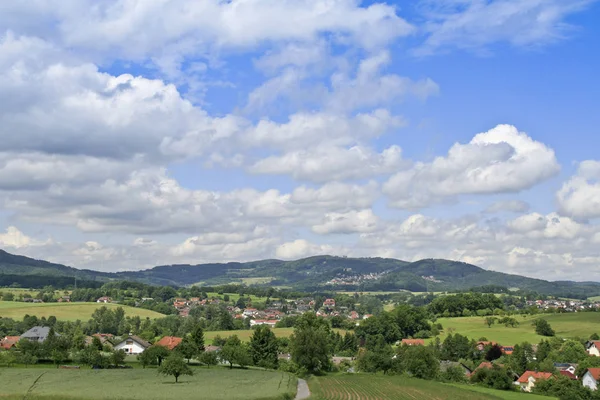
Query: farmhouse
[591,378]
[528,379]
[9,342]
[593,348]
[413,342]
[170,342]
[37,334]
[104,299]
[133,345]
[256,322]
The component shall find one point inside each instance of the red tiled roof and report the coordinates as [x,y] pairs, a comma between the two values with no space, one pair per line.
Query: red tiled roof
[595,343]
[484,364]
[535,375]
[170,342]
[9,341]
[595,372]
[568,374]
[413,342]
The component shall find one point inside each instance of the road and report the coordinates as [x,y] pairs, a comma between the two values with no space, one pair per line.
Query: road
[303,391]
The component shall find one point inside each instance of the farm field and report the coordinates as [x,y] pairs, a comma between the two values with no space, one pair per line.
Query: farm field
[566,325]
[66,311]
[144,384]
[245,335]
[379,387]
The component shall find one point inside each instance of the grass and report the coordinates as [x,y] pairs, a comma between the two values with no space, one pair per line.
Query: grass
[380,387]
[565,325]
[502,394]
[66,311]
[246,334]
[594,298]
[257,281]
[31,292]
[144,384]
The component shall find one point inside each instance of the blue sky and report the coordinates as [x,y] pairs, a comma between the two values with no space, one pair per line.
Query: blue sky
[140,133]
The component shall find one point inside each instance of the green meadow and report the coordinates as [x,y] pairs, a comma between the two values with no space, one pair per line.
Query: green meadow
[66,311]
[246,334]
[568,325]
[144,384]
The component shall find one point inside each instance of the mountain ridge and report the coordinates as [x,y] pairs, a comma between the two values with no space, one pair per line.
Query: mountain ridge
[312,273]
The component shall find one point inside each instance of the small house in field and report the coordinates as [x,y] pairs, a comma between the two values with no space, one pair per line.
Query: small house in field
[593,348]
[413,342]
[8,342]
[170,342]
[132,345]
[591,377]
[37,334]
[528,379]
[104,299]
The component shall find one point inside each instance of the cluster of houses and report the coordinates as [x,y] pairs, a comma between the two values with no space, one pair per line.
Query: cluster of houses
[353,280]
[563,305]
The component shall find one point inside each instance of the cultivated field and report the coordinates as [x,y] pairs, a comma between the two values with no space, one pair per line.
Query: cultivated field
[379,387]
[65,311]
[566,325]
[246,334]
[143,384]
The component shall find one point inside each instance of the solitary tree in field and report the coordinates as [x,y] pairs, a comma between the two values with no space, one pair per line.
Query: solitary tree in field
[542,327]
[209,358]
[489,321]
[175,365]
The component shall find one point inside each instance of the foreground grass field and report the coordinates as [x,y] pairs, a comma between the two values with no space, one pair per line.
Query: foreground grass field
[379,387]
[144,384]
[65,311]
[566,325]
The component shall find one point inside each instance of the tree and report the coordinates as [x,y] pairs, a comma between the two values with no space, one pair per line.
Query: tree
[153,355]
[309,345]
[209,358]
[377,357]
[117,357]
[234,352]
[175,365]
[198,337]
[489,321]
[263,347]
[542,327]
[494,352]
[420,361]
[188,348]
[7,358]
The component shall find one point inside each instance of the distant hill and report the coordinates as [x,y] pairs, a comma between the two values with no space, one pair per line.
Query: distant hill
[310,273]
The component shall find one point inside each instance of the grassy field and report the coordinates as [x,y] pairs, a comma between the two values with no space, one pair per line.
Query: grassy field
[65,311]
[566,325]
[31,292]
[379,387]
[144,384]
[245,335]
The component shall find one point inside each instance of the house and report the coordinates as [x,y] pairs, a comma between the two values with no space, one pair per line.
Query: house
[268,322]
[284,356]
[444,365]
[37,334]
[64,299]
[481,345]
[9,342]
[591,377]
[508,349]
[413,342]
[104,299]
[354,315]
[528,379]
[484,364]
[593,348]
[367,316]
[566,367]
[329,303]
[170,342]
[249,312]
[132,345]
[568,374]
[210,349]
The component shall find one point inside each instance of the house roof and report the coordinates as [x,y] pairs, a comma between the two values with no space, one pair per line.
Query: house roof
[209,349]
[508,349]
[533,374]
[138,340]
[568,374]
[170,342]
[594,343]
[484,364]
[413,342]
[595,372]
[39,333]
[9,341]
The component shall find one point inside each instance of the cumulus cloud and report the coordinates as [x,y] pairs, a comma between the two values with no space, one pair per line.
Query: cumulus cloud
[476,24]
[302,248]
[14,238]
[346,223]
[516,206]
[502,160]
[579,197]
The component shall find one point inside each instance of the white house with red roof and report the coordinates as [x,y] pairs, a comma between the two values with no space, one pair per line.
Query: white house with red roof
[528,379]
[593,348]
[591,377]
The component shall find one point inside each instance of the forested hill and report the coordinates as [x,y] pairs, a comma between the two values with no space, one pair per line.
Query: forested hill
[313,273]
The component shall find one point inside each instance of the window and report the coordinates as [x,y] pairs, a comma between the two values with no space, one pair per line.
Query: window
[129,342]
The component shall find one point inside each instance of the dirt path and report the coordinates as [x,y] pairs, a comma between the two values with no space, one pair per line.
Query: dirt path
[303,391]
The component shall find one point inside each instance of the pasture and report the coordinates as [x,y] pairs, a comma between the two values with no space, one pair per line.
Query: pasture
[246,334]
[567,325]
[144,384]
[380,387]
[66,311]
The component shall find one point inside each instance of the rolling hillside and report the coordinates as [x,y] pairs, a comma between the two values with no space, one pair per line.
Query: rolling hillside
[307,274]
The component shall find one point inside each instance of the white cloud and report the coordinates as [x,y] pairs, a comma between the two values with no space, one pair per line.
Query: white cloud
[579,197]
[502,160]
[14,238]
[346,223]
[476,24]
[302,248]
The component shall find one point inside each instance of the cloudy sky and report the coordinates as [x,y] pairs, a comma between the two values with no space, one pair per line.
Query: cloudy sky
[138,133]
